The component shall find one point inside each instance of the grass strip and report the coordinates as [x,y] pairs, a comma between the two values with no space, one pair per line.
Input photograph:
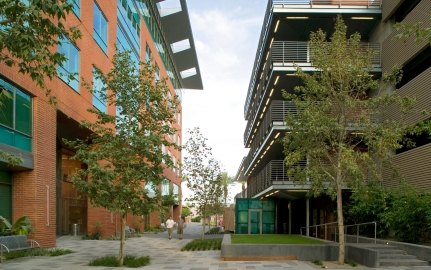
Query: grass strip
[36,252]
[272,239]
[129,261]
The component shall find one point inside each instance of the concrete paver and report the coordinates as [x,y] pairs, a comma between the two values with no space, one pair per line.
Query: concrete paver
[165,254]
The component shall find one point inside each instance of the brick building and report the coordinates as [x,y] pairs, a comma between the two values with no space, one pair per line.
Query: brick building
[33,128]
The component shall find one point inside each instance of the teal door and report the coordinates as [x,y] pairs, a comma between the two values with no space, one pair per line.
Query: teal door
[254,221]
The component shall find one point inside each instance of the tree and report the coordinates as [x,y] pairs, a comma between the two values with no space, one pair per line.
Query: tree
[123,156]
[202,175]
[339,128]
[226,180]
[416,30]
[185,211]
[29,32]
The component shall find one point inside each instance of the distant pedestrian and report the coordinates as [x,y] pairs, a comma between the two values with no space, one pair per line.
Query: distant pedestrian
[170,226]
[180,227]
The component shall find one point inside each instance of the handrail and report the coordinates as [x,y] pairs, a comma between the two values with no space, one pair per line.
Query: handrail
[287,53]
[300,4]
[357,225]
[339,3]
[357,229]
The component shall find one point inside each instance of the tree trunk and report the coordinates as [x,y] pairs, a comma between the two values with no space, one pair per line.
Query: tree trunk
[342,245]
[203,225]
[339,187]
[122,240]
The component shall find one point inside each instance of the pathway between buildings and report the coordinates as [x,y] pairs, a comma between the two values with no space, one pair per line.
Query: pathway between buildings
[164,254]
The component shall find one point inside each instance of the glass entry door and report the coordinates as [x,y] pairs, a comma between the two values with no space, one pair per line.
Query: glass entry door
[255,221]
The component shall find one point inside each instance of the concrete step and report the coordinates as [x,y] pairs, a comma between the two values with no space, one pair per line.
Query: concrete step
[402,262]
[390,251]
[396,256]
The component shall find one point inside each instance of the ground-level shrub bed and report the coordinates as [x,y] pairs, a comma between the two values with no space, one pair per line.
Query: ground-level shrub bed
[129,261]
[36,252]
[205,244]
[215,230]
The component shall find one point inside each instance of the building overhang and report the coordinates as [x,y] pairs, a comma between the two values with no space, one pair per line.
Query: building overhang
[186,61]
[26,158]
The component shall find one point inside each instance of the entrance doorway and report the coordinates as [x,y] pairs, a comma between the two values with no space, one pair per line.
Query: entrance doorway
[255,221]
[73,205]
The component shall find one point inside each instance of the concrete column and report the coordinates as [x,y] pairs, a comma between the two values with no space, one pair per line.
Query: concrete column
[307,217]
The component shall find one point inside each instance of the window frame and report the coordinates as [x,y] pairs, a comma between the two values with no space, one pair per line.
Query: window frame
[17,134]
[98,35]
[98,101]
[67,76]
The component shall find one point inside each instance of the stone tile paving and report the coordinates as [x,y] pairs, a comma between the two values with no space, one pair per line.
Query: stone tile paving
[165,254]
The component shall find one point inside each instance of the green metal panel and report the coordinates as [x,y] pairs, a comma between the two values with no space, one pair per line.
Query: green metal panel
[241,204]
[6,195]
[255,204]
[268,205]
[242,207]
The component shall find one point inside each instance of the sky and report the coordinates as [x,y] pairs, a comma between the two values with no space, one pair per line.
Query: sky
[226,35]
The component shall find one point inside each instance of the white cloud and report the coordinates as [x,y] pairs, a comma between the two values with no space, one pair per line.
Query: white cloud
[226,41]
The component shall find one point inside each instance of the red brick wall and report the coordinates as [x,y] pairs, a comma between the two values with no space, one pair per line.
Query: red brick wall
[30,188]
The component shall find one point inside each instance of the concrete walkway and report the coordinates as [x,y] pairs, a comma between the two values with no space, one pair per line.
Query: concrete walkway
[164,254]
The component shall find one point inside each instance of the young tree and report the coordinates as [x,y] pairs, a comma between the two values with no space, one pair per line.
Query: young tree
[226,180]
[339,128]
[123,156]
[416,30]
[202,175]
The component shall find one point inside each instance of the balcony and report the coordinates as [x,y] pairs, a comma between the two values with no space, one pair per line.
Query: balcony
[276,115]
[287,56]
[328,3]
[283,18]
[275,175]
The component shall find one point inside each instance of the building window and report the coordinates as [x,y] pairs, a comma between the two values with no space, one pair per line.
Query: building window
[68,71]
[100,28]
[15,117]
[147,54]
[124,44]
[157,73]
[99,93]
[75,7]
[165,187]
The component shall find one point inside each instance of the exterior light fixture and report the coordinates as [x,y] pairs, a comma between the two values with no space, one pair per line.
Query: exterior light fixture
[276,26]
[362,18]
[297,18]
[276,80]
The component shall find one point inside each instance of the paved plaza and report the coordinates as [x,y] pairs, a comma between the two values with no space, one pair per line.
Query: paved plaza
[164,254]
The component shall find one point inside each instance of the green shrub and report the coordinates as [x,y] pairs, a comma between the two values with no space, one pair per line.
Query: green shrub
[410,216]
[196,219]
[205,244]
[129,261]
[21,227]
[59,251]
[36,252]
[215,230]
[403,213]
[368,205]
